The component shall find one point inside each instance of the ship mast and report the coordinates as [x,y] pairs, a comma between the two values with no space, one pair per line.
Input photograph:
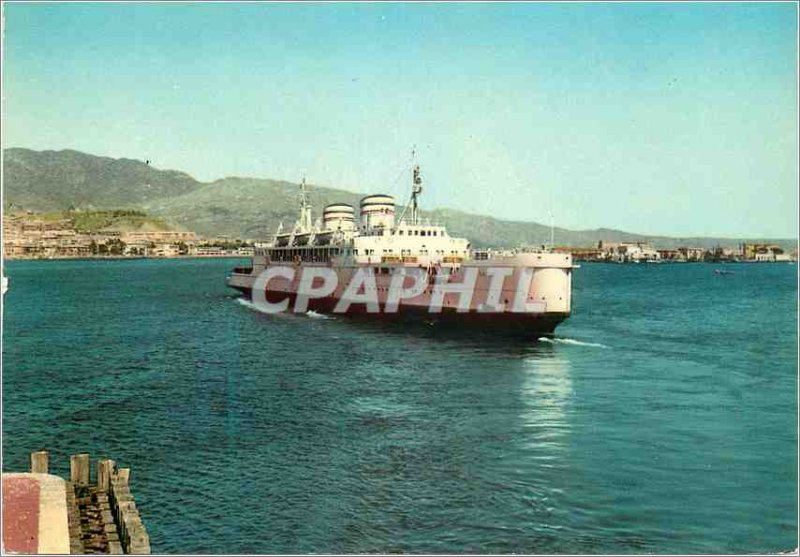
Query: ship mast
[416,190]
[305,208]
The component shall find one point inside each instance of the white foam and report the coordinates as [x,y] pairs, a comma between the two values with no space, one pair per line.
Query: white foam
[255,307]
[248,304]
[314,315]
[572,342]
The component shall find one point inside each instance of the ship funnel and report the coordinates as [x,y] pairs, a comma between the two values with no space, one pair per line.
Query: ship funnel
[338,216]
[377,211]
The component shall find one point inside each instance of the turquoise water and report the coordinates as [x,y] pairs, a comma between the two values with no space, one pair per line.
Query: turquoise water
[661,419]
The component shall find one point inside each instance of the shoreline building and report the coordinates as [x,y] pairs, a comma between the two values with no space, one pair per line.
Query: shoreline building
[622,252]
[692,253]
[764,253]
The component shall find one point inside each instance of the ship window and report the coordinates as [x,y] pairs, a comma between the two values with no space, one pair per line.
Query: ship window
[400,231]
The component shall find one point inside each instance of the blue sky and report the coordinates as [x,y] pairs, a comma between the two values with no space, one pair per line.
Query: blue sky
[676,119]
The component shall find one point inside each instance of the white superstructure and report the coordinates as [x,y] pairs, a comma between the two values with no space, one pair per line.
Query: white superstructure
[385,240]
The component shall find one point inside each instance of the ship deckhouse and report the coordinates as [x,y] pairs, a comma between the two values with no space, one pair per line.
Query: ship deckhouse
[379,236]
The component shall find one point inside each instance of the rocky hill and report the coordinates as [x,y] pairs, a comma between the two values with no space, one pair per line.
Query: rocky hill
[58,180]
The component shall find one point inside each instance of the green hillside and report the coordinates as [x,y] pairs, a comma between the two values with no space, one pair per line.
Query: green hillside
[58,180]
[242,207]
[249,207]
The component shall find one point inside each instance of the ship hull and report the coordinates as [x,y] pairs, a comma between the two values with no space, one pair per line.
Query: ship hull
[523,295]
[510,324]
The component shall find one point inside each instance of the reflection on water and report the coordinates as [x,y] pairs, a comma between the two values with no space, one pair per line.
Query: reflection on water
[546,391]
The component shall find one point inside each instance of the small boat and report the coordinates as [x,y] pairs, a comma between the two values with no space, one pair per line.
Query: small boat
[722,272]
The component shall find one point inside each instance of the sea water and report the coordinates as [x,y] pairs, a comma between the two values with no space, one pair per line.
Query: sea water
[662,417]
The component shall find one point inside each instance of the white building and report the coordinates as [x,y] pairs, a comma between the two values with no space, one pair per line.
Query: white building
[638,252]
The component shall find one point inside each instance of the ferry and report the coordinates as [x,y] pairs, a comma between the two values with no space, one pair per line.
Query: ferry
[523,291]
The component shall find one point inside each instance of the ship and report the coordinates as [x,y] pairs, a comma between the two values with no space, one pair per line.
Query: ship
[391,265]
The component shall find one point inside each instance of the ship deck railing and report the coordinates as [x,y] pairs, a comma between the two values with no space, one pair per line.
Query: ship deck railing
[490,253]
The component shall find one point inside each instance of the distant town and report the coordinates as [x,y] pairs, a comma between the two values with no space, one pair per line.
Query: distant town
[642,252]
[32,236]
[29,235]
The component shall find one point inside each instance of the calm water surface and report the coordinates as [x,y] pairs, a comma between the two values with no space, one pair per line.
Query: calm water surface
[661,419]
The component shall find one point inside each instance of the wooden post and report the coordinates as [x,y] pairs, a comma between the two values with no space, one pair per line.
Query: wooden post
[79,469]
[104,471]
[40,462]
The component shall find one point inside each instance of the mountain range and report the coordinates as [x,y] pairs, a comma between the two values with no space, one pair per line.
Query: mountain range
[251,207]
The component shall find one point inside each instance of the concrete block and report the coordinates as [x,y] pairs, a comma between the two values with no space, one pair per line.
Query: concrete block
[110,529]
[79,469]
[139,547]
[104,470]
[40,462]
[124,474]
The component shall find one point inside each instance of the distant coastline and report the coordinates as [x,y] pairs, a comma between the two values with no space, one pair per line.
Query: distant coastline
[236,207]
[125,258]
[131,234]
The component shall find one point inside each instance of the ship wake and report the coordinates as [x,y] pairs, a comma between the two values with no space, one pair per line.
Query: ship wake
[572,342]
[250,305]
[314,315]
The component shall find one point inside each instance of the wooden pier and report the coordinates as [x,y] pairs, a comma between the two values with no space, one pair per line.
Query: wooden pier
[100,517]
